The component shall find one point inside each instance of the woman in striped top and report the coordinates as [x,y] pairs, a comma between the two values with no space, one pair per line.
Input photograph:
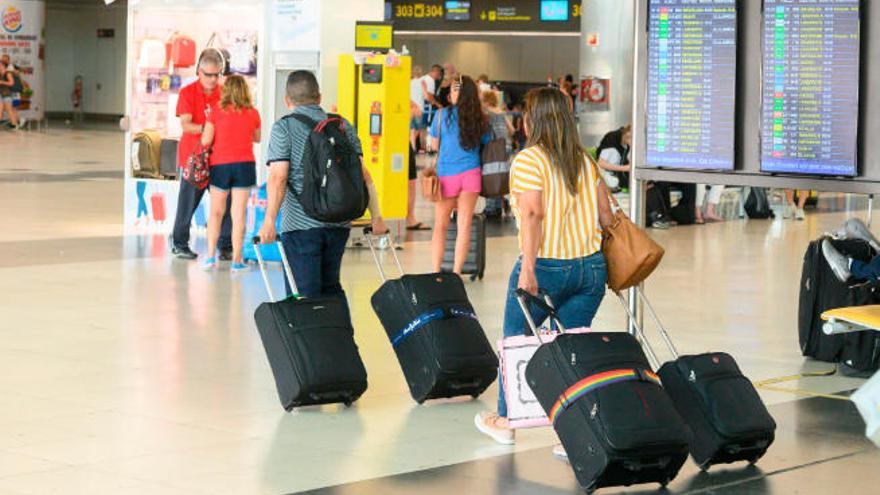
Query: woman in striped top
[560,203]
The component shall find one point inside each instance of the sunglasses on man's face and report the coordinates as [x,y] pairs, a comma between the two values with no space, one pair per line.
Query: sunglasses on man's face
[211,74]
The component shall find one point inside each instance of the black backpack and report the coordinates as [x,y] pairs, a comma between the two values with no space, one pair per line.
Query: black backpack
[333,189]
[757,205]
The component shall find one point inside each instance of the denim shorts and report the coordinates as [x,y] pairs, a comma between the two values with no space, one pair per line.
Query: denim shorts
[234,176]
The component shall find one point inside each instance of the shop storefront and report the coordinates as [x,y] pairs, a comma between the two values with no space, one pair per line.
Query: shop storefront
[164,43]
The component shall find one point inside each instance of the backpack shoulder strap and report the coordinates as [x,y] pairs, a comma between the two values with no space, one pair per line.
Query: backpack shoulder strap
[301,118]
[331,119]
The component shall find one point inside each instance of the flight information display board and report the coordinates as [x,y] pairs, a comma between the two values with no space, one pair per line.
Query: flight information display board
[810,87]
[691,84]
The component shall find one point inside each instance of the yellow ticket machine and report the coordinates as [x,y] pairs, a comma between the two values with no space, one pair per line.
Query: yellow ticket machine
[374,95]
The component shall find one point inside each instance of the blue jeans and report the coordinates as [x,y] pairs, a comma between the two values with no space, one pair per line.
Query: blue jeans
[865,271]
[188,200]
[315,257]
[576,287]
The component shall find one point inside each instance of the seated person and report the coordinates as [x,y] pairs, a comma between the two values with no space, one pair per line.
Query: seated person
[844,266]
[613,152]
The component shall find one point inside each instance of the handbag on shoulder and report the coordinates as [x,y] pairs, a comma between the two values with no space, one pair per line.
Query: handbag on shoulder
[630,253]
[430,180]
[430,185]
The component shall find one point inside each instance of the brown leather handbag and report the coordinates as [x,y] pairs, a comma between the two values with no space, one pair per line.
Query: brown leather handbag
[630,253]
[430,181]
[430,185]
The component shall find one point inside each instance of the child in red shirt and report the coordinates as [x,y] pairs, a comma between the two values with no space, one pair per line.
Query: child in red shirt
[232,127]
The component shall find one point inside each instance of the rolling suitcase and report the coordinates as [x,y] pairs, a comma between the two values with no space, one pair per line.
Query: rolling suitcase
[434,331]
[615,422]
[727,417]
[310,346]
[475,264]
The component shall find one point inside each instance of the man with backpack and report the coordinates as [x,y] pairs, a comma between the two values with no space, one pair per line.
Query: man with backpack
[317,177]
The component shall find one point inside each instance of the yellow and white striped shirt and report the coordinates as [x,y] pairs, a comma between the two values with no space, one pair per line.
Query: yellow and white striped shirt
[571,223]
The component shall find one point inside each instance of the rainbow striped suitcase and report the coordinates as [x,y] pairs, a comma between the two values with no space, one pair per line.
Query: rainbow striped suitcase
[617,424]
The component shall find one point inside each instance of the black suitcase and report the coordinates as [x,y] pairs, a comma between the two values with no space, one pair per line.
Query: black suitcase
[310,346]
[433,328]
[616,423]
[168,158]
[727,417]
[475,264]
[820,291]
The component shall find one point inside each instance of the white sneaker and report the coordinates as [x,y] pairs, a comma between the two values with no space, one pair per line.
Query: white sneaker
[787,212]
[856,229]
[800,214]
[560,453]
[486,423]
[838,262]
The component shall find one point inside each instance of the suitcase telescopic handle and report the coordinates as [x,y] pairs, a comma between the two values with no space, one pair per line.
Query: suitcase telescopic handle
[368,234]
[640,332]
[287,271]
[544,303]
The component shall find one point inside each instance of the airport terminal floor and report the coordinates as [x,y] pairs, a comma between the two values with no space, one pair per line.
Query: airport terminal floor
[125,371]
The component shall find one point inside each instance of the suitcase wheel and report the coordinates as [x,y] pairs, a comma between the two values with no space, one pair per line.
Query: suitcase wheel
[664,483]
[347,404]
[474,396]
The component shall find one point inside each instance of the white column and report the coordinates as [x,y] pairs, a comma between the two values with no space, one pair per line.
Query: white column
[338,19]
[612,21]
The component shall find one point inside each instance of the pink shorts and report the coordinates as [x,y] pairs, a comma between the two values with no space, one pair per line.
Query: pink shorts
[453,185]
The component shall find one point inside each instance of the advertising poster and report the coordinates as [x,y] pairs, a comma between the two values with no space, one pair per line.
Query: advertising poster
[295,25]
[21,37]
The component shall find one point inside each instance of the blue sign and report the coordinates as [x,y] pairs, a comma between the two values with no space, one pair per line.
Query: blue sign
[554,10]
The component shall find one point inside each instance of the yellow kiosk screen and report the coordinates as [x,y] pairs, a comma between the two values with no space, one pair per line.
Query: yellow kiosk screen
[373,36]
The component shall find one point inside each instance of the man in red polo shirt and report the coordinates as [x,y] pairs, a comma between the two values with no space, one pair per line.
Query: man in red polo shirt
[193,105]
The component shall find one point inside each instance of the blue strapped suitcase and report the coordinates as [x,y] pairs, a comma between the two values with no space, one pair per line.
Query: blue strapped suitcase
[435,333]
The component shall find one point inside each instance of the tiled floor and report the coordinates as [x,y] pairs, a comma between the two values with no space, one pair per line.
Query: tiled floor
[125,371]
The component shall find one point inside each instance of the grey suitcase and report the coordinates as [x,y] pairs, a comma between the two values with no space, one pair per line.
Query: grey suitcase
[475,264]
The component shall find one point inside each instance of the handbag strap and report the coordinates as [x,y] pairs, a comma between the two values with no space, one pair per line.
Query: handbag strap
[439,119]
[615,205]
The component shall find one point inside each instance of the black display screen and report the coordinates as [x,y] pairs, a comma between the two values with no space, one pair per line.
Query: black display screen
[810,87]
[692,47]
